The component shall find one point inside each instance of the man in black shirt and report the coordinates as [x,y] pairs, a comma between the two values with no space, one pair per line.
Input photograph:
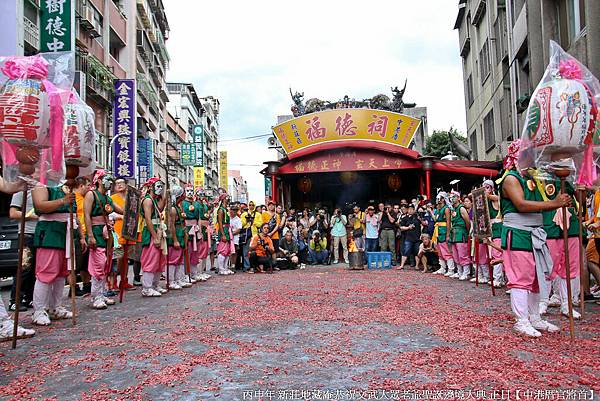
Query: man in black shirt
[411,226]
[387,236]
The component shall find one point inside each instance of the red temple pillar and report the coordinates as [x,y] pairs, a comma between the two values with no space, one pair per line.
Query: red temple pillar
[427,167]
[428,183]
[274,188]
[272,170]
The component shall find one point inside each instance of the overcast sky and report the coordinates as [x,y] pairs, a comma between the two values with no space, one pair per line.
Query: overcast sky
[248,55]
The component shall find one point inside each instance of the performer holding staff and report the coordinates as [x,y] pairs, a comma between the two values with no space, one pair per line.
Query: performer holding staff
[176,242]
[153,238]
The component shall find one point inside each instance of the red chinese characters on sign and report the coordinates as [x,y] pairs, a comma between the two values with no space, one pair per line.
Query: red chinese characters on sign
[379,126]
[344,126]
[18,116]
[315,131]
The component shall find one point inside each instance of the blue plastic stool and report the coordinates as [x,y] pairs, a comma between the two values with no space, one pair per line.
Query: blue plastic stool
[379,260]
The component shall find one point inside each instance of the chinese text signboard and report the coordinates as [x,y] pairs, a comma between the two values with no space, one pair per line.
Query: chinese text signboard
[199,145]
[388,128]
[347,161]
[223,169]
[482,227]
[56,25]
[198,177]
[188,154]
[145,157]
[124,129]
[130,218]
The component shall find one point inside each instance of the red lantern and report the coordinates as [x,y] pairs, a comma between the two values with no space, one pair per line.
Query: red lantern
[304,184]
[394,182]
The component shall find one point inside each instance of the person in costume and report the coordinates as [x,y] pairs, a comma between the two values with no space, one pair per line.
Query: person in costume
[251,223]
[191,212]
[224,235]
[481,255]
[526,256]
[205,225]
[52,240]
[459,237]
[153,238]
[443,223]
[176,242]
[496,221]
[554,225]
[97,205]
[118,196]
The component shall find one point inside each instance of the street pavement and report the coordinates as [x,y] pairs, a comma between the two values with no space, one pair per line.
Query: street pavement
[318,333]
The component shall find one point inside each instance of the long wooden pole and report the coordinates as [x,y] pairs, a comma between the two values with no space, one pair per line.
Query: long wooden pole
[73,277]
[124,271]
[476,240]
[19,269]
[563,174]
[581,199]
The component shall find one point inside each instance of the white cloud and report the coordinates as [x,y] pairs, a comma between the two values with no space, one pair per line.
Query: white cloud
[249,53]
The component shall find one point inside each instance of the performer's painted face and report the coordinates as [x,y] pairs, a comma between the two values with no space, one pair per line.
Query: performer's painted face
[159,187]
[189,192]
[108,181]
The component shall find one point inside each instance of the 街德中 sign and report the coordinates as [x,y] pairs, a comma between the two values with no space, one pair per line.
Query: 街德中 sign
[198,134]
[366,128]
[57,18]
[124,129]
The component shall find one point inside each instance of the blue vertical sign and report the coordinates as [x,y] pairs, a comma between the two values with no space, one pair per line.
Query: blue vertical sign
[124,129]
[145,157]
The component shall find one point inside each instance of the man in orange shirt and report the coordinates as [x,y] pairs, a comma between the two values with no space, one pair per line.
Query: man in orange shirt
[261,249]
[118,198]
[271,218]
[592,249]
[82,188]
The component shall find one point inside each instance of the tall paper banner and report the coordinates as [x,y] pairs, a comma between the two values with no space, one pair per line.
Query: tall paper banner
[124,129]
[198,177]
[223,169]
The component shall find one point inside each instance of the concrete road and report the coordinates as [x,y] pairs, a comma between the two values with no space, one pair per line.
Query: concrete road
[319,333]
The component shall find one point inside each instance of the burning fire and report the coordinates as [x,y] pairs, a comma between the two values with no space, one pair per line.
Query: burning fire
[352,247]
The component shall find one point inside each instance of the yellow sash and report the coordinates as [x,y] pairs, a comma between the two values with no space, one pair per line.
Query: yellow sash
[436,230]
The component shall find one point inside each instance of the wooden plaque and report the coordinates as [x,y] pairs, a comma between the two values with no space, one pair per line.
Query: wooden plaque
[482,227]
[133,201]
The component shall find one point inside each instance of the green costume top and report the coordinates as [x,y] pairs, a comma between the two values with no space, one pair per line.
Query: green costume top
[98,210]
[203,213]
[520,240]
[442,229]
[495,214]
[553,231]
[53,234]
[146,237]
[179,228]
[226,220]
[458,231]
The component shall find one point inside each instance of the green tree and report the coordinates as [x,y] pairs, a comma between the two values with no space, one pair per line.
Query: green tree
[438,143]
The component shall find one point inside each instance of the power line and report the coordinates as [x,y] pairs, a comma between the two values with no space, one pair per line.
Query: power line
[246,138]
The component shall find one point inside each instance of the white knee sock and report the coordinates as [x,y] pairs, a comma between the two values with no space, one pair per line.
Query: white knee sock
[466,270]
[58,288]
[172,274]
[576,288]
[498,272]
[484,273]
[450,264]
[41,295]
[519,303]
[147,279]
[221,263]
[97,288]
[443,265]
[533,305]
[193,270]
[156,279]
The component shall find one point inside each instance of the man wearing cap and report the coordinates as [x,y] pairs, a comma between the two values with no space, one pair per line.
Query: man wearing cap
[317,248]
[261,249]
[251,223]
[371,229]
[153,238]
[97,205]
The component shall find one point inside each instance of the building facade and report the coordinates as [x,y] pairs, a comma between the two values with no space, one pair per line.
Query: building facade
[237,186]
[504,45]
[210,122]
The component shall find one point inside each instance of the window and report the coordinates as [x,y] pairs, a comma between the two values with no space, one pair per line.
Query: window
[484,61]
[473,144]
[488,131]
[470,98]
[571,18]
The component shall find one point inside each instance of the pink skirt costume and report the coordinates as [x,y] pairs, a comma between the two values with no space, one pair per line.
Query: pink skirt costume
[557,250]
[97,257]
[153,260]
[496,254]
[460,253]
[175,257]
[197,246]
[51,263]
[224,247]
[444,252]
[483,254]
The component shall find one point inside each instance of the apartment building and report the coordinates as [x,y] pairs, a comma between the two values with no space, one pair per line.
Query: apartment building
[483,42]
[210,121]
[237,186]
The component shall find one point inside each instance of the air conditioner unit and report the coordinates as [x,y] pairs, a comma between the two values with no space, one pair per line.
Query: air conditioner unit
[96,30]
[140,39]
[87,17]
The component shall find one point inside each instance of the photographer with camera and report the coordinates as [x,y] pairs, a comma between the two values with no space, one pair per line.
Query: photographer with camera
[251,223]
[288,252]
[317,248]
[357,220]
[387,234]
[319,222]
[261,249]
[411,226]
[338,234]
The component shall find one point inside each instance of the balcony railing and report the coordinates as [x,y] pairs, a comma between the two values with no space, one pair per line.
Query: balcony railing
[144,13]
[31,33]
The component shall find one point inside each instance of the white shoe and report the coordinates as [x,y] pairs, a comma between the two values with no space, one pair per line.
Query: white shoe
[565,312]
[554,300]
[543,308]
[109,301]
[441,270]
[206,276]
[41,318]
[463,277]
[7,328]
[543,325]
[498,283]
[302,266]
[160,290]
[99,303]
[61,313]
[147,292]
[184,283]
[507,291]
[189,279]
[455,275]
[335,262]
[174,286]
[473,280]
[576,302]
[449,273]
[524,327]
